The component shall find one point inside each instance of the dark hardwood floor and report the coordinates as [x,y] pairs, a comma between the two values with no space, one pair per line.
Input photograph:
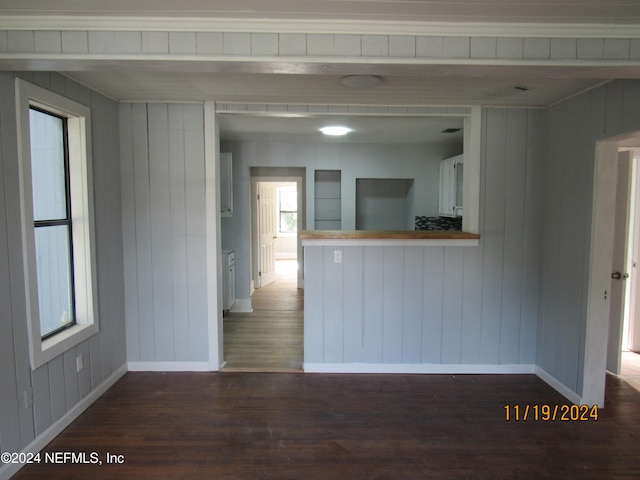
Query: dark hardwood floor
[242,425]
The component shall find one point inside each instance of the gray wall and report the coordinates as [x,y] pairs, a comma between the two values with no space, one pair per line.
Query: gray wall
[354,160]
[574,128]
[56,386]
[443,305]
[163,218]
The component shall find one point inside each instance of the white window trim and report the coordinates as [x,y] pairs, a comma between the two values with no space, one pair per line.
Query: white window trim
[81,189]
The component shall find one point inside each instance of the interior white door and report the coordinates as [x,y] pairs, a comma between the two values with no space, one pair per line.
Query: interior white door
[619,269]
[631,335]
[267,232]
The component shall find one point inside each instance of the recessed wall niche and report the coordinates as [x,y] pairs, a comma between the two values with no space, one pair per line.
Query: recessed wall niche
[384,204]
[328,205]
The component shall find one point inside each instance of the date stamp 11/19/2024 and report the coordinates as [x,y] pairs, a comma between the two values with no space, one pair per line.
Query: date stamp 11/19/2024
[550,413]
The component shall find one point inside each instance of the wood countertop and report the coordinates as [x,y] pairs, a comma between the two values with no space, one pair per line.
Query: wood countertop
[387,235]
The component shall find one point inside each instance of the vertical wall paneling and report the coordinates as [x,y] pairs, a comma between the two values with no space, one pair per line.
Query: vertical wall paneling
[471,305]
[196,230]
[452,306]
[574,127]
[373,305]
[127,188]
[392,308]
[333,335]
[10,418]
[577,181]
[412,305]
[314,306]
[84,376]
[57,390]
[103,341]
[165,232]
[515,181]
[41,399]
[71,380]
[353,258]
[614,108]
[143,230]
[493,234]
[178,214]
[630,112]
[532,234]
[432,305]
[161,244]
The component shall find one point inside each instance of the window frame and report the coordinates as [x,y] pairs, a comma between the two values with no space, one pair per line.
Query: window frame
[83,259]
[279,191]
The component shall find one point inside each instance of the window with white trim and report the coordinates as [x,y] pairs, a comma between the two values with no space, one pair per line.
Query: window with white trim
[57,221]
[287,209]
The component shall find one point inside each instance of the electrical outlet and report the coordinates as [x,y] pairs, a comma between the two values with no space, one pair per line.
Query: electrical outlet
[337,256]
[79,364]
[27,398]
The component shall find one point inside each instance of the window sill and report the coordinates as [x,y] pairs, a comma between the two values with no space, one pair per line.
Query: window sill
[47,350]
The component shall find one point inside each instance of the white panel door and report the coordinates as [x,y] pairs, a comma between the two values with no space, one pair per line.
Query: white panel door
[267,229]
[619,267]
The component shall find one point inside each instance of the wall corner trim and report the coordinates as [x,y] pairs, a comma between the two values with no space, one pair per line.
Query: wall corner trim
[554,383]
[41,441]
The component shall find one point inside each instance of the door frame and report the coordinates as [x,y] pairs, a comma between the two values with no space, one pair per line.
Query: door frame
[620,259]
[264,176]
[600,261]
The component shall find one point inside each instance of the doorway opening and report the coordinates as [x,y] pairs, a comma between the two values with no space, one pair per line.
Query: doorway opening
[270,337]
[604,294]
[623,349]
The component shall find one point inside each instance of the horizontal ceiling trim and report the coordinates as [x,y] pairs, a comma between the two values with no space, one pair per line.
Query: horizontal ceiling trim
[182,24]
[278,64]
[313,110]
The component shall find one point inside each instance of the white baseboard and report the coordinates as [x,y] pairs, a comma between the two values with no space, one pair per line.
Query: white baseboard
[416,368]
[169,366]
[554,383]
[41,441]
[242,305]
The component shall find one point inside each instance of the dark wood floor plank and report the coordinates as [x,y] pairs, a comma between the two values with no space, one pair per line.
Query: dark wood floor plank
[291,426]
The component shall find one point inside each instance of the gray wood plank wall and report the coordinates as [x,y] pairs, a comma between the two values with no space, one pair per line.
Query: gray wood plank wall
[443,305]
[163,215]
[574,128]
[56,386]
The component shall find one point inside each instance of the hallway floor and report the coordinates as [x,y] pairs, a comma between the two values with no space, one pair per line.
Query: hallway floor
[271,337]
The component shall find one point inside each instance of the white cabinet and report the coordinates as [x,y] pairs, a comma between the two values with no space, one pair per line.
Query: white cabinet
[226,185]
[451,174]
[228,280]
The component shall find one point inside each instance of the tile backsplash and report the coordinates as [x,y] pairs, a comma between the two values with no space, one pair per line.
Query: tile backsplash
[438,223]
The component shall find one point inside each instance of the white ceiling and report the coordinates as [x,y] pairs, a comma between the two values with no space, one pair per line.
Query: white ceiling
[319,83]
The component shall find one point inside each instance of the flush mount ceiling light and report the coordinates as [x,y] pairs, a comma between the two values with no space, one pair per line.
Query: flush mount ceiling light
[360,81]
[335,130]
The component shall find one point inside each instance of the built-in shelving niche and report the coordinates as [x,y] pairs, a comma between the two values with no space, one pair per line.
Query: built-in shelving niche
[328,201]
